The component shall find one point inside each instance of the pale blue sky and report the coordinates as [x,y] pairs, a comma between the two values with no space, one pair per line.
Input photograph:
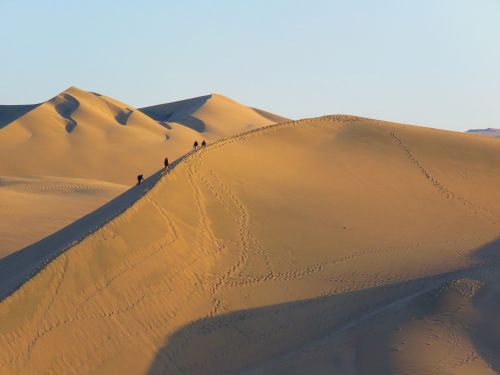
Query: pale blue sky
[430,62]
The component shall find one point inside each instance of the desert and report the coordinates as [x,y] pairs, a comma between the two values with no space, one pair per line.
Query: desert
[250,187]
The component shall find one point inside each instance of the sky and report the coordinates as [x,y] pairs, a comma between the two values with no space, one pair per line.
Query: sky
[428,62]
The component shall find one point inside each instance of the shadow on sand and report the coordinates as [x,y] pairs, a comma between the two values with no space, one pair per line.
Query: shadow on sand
[180,112]
[268,339]
[486,335]
[10,113]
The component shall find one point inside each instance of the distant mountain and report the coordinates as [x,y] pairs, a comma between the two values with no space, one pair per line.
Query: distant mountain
[489,132]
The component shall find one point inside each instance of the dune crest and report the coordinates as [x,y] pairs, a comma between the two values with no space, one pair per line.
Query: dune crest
[214,115]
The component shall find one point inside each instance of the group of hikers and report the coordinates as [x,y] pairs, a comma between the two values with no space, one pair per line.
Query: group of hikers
[140,178]
[195,145]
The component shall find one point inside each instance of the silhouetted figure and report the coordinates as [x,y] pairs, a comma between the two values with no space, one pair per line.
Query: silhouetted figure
[139,179]
[203,144]
[195,145]
[165,163]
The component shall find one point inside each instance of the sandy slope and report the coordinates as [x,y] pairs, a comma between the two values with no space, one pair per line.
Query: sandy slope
[32,208]
[490,132]
[335,245]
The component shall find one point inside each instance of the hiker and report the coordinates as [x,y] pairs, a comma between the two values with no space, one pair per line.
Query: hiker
[139,179]
[203,144]
[165,163]
[195,145]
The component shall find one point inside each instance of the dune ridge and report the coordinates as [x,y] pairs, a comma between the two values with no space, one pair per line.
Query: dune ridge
[203,114]
[27,262]
[226,264]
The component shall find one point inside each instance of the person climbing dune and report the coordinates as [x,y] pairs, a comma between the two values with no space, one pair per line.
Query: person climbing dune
[195,145]
[165,163]
[203,144]
[139,179]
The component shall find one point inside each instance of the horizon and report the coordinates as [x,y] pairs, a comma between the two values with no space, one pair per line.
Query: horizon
[429,64]
[472,130]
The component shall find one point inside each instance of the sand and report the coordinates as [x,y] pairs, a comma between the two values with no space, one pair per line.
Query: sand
[84,135]
[214,115]
[33,208]
[331,245]
[95,139]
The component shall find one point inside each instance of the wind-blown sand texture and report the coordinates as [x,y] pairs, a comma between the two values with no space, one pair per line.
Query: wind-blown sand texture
[331,245]
[85,135]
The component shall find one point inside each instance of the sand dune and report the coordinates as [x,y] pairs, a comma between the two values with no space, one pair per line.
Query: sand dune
[35,207]
[84,135]
[331,245]
[215,116]
[490,132]
[87,135]
[79,134]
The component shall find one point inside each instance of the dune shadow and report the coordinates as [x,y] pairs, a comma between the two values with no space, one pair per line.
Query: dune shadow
[181,112]
[489,252]
[123,116]
[10,113]
[269,339]
[165,125]
[486,333]
[191,122]
[66,109]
